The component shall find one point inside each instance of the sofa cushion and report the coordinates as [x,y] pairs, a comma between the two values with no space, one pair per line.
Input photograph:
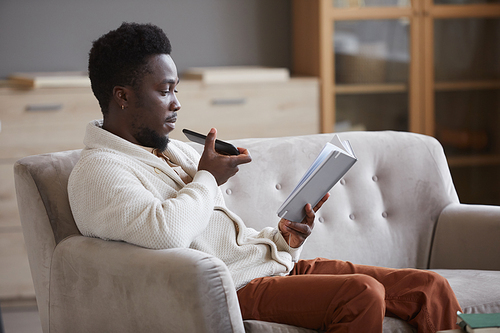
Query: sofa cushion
[253,326]
[391,325]
[477,291]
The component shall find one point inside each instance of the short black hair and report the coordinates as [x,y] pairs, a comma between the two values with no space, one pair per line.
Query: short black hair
[119,58]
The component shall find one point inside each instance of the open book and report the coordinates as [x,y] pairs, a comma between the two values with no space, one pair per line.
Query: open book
[336,158]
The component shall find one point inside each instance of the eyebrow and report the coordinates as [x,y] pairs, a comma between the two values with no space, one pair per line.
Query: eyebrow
[170,81]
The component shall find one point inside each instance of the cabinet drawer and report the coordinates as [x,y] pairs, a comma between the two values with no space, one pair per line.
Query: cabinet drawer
[249,110]
[15,275]
[39,121]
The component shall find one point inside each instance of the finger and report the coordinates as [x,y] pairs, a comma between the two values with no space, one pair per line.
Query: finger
[243,151]
[243,157]
[309,211]
[321,202]
[210,140]
[310,215]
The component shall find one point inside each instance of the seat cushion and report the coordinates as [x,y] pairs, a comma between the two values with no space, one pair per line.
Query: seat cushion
[391,325]
[254,326]
[477,291]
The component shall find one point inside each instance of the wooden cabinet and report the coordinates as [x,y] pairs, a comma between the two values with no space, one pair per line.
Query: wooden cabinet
[47,120]
[33,122]
[245,110]
[426,66]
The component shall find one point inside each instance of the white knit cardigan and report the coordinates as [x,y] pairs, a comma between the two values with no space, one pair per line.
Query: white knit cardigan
[119,191]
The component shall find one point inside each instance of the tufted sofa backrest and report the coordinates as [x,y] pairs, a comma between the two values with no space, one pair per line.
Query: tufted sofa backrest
[383,212]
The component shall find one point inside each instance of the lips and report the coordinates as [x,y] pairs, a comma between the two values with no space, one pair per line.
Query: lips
[170,121]
[172,118]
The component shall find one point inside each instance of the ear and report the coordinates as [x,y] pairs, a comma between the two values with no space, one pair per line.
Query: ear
[120,96]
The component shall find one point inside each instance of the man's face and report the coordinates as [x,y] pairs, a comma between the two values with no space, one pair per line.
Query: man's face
[153,106]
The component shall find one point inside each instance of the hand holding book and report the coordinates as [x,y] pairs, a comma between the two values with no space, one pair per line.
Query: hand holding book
[334,160]
[295,233]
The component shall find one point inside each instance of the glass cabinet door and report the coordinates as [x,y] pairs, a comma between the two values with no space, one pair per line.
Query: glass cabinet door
[425,66]
[372,61]
[467,103]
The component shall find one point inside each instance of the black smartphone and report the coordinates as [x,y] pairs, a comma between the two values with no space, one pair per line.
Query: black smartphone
[221,147]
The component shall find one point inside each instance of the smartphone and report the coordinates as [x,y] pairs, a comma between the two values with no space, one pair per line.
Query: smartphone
[222,147]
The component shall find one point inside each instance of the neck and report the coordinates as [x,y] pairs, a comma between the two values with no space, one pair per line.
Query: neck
[116,126]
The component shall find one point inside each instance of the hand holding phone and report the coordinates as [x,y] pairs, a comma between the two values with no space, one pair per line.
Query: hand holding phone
[219,158]
[222,147]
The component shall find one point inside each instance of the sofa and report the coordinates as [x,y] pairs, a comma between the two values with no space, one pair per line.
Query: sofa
[397,207]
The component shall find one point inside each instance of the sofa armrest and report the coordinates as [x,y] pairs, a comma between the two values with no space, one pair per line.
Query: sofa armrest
[106,286]
[467,237]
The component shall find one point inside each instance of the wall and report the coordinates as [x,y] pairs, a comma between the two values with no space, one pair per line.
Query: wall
[56,35]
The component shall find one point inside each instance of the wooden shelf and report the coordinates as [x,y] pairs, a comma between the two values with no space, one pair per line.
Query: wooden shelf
[436,11]
[473,160]
[380,88]
[467,85]
[489,10]
[370,13]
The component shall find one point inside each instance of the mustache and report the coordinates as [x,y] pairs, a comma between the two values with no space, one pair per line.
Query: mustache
[171,117]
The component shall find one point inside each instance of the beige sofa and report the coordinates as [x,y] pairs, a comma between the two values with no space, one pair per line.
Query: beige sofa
[397,207]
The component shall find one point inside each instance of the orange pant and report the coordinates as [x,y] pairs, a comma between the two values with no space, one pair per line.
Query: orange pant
[338,296]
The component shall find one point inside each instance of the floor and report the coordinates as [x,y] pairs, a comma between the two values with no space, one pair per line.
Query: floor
[20,317]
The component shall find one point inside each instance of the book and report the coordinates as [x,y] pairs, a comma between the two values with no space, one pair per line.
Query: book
[50,79]
[237,74]
[332,163]
[479,322]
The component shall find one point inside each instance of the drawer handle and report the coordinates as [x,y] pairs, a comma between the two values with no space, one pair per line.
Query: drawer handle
[43,107]
[229,101]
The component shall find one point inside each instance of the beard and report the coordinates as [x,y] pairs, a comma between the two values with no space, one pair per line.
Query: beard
[146,136]
[150,138]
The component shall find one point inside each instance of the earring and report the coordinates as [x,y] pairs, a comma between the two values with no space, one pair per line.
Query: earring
[123,107]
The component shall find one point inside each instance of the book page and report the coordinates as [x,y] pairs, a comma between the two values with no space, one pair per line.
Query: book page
[344,146]
[325,152]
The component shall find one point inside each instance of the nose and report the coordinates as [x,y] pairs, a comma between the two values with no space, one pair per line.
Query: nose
[175,105]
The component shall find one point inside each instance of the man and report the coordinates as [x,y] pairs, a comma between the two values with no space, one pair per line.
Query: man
[133,184]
